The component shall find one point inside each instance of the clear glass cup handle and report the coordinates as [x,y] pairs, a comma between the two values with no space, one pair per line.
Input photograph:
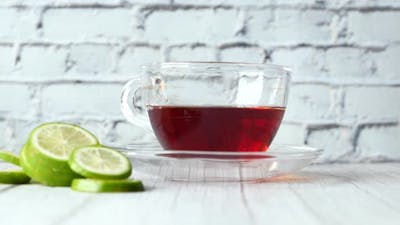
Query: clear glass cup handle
[133,106]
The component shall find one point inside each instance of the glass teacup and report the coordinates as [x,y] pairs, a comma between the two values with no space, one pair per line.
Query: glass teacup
[209,106]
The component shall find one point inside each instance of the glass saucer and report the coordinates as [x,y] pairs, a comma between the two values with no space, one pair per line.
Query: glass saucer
[218,166]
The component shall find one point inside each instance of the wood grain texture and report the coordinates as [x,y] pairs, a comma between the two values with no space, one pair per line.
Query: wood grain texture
[321,194]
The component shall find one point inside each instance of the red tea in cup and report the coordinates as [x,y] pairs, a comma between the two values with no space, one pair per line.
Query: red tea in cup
[215,128]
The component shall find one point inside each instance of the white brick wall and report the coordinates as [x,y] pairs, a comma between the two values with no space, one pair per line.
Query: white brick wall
[42,60]
[372,102]
[304,62]
[379,141]
[336,141]
[387,62]
[348,62]
[361,28]
[191,53]
[16,101]
[243,54]
[133,57]
[70,24]
[91,59]
[310,102]
[6,59]
[193,25]
[290,26]
[67,60]
[83,100]
[17,24]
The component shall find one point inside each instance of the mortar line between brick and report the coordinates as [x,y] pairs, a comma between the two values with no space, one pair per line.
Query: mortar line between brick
[123,79]
[225,44]
[171,5]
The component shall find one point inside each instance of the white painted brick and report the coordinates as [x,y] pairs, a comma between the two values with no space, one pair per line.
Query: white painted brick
[387,62]
[100,2]
[379,141]
[295,2]
[302,61]
[191,53]
[372,102]
[81,24]
[17,24]
[308,102]
[59,2]
[20,133]
[224,2]
[290,134]
[91,59]
[243,54]
[126,133]
[5,135]
[7,59]
[203,25]
[260,2]
[289,26]
[348,62]
[150,1]
[134,57]
[374,27]
[81,100]
[339,29]
[16,101]
[336,142]
[42,61]
[374,3]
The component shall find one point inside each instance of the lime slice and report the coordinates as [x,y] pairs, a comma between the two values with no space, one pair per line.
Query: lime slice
[100,163]
[13,177]
[93,185]
[45,156]
[9,157]
[57,140]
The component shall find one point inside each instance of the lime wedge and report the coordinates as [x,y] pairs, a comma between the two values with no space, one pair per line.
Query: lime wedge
[13,177]
[93,185]
[9,157]
[100,163]
[45,156]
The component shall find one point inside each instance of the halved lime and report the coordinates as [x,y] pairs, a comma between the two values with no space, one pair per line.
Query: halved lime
[13,177]
[100,162]
[45,156]
[9,157]
[94,185]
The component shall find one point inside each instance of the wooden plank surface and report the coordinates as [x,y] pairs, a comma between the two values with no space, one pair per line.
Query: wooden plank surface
[321,194]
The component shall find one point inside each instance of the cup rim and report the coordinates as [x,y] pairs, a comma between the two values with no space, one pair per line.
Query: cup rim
[243,64]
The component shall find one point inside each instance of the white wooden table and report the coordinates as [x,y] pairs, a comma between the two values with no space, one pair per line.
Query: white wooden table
[324,194]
